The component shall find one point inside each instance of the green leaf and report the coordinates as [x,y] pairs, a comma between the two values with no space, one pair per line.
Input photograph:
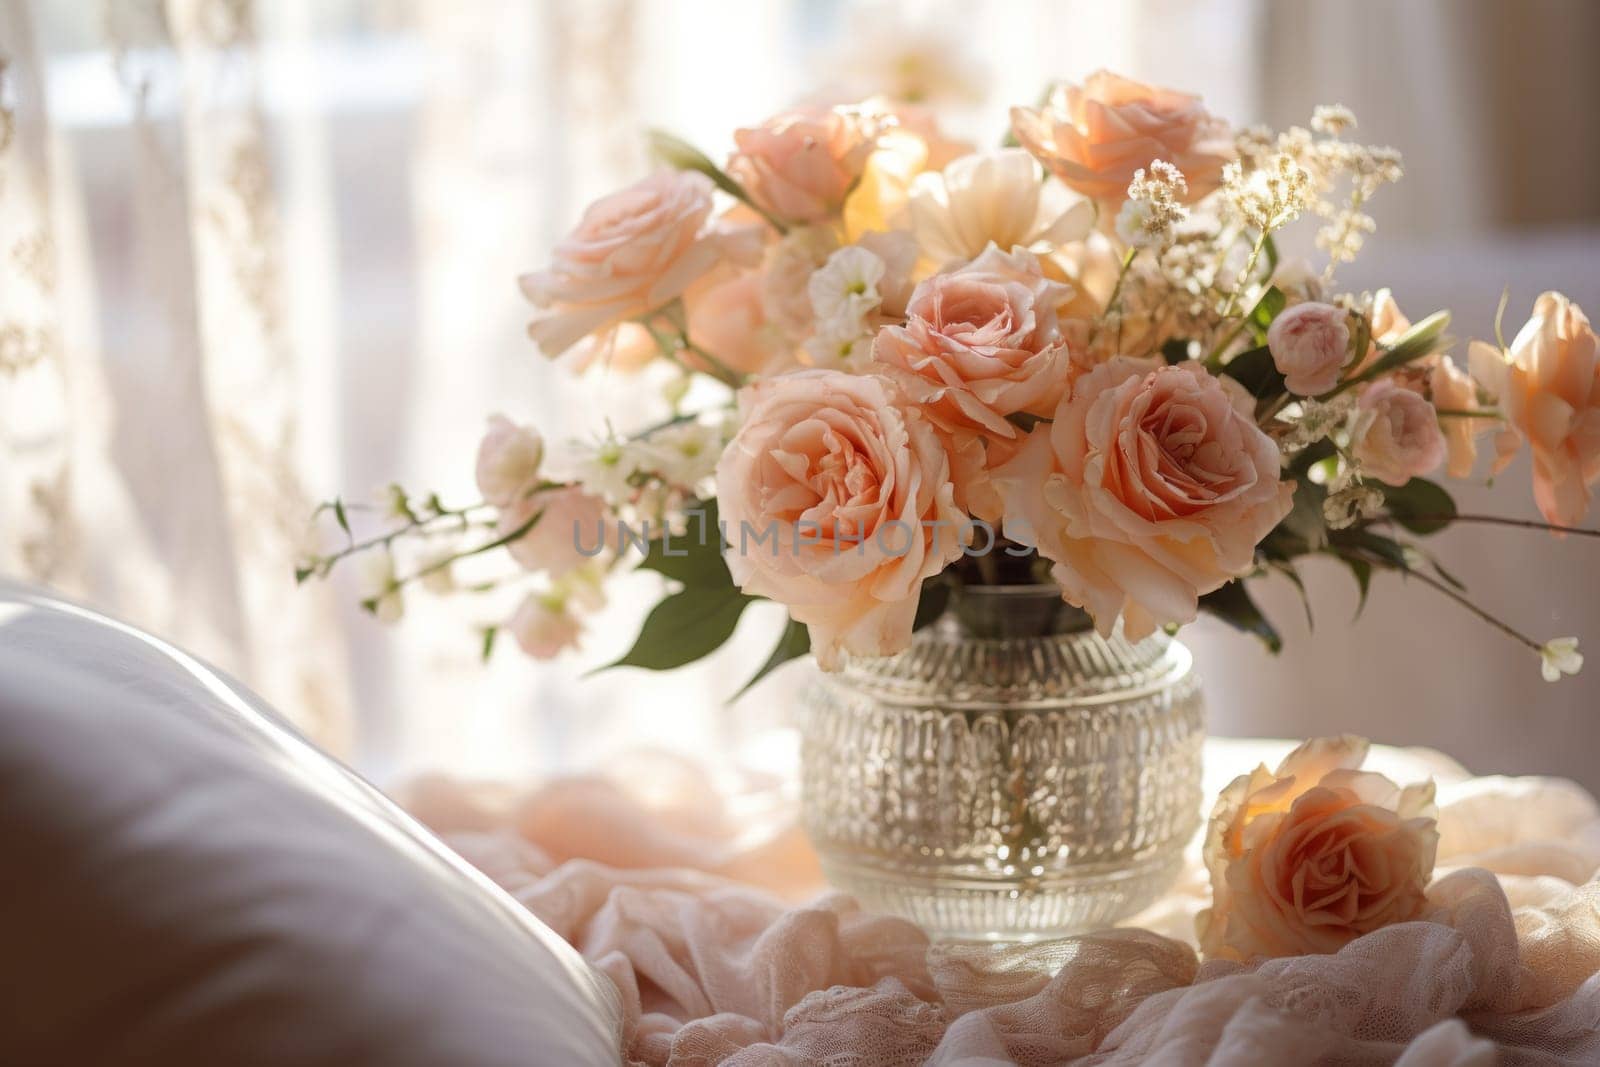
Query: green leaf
[694,557]
[1175,351]
[1421,506]
[931,603]
[1232,604]
[794,642]
[1306,519]
[340,517]
[489,635]
[684,627]
[1256,372]
[1267,308]
[1384,550]
[676,152]
[1024,421]
[1362,571]
[1270,247]
[1289,571]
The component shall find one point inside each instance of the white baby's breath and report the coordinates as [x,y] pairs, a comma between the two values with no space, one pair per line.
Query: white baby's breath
[844,291]
[1560,656]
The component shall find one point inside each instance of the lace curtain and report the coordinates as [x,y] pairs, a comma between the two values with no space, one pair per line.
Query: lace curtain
[260,252]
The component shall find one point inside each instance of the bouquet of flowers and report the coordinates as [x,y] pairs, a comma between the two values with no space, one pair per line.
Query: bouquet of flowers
[1077,358]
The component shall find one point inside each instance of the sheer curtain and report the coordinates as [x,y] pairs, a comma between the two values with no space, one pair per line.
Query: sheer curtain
[261,252]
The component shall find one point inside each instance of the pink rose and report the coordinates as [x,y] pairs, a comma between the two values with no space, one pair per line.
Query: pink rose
[1094,136]
[572,529]
[1550,392]
[801,164]
[1401,439]
[1309,858]
[830,492]
[981,343]
[1152,486]
[1310,343]
[508,460]
[632,252]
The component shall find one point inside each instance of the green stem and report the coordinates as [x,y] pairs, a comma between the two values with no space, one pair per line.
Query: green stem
[1116,293]
[1503,627]
[455,557]
[1500,520]
[1468,413]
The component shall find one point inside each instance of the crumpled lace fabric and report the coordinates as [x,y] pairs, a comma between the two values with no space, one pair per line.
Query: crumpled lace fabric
[664,885]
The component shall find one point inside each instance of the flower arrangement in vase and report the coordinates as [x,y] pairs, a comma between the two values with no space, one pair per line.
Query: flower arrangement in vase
[1074,363]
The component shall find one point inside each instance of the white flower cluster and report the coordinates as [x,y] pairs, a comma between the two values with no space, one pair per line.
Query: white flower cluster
[844,296]
[1154,208]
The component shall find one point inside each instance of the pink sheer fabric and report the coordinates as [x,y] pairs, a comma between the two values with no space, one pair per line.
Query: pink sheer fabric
[675,891]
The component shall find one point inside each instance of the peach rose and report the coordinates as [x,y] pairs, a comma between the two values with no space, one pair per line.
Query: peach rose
[508,460]
[726,318]
[1310,344]
[830,492]
[571,529]
[1549,389]
[997,198]
[800,165]
[1453,389]
[632,252]
[1152,486]
[1398,436]
[1094,136]
[981,343]
[1313,856]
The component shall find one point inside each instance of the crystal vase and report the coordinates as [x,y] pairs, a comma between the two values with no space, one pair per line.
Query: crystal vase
[1010,776]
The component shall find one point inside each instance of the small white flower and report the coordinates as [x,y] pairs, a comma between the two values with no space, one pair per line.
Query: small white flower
[683,455]
[844,290]
[1559,657]
[848,353]
[378,587]
[608,470]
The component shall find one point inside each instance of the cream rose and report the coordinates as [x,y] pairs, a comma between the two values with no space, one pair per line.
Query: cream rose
[1152,486]
[800,164]
[1398,436]
[998,198]
[1312,856]
[837,500]
[981,343]
[632,252]
[508,460]
[1310,344]
[1549,389]
[571,529]
[1094,136]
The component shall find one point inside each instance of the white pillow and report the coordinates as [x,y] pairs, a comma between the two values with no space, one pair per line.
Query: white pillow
[184,879]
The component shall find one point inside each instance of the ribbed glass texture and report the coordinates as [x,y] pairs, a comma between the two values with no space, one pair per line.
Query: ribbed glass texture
[1011,776]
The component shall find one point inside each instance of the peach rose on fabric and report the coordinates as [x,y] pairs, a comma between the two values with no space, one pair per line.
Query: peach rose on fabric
[1314,855]
[1094,136]
[981,343]
[830,493]
[1398,436]
[1152,486]
[508,460]
[1310,344]
[1549,388]
[632,252]
[570,531]
[997,198]
[800,165]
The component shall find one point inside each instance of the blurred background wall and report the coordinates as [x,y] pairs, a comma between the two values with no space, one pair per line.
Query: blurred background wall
[260,252]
